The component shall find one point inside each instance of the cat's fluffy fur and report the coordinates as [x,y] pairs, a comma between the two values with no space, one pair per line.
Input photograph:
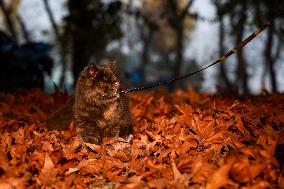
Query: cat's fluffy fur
[99,109]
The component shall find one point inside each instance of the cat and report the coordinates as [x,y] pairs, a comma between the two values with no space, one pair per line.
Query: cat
[100,110]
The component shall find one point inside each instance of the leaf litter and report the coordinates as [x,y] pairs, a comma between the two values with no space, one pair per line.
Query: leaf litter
[182,139]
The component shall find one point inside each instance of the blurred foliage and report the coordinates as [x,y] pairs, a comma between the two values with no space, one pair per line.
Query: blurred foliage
[247,13]
[90,26]
[155,34]
[9,14]
[164,29]
[12,6]
[261,10]
[165,38]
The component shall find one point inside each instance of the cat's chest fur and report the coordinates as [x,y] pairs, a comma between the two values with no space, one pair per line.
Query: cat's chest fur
[111,111]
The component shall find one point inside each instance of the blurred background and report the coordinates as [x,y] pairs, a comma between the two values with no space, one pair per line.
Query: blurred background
[43,42]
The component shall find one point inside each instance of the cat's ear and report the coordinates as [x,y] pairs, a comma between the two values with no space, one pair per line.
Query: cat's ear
[113,65]
[92,69]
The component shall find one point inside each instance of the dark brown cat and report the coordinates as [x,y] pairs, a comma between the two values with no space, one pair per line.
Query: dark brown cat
[99,109]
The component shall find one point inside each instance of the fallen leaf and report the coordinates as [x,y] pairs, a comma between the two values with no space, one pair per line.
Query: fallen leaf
[48,173]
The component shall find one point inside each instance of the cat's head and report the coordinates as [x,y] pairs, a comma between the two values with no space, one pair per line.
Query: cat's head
[99,84]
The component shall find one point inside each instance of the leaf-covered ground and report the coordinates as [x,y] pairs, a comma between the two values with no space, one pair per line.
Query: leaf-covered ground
[180,140]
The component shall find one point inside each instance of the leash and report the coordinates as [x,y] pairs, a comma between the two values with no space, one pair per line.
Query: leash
[218,60]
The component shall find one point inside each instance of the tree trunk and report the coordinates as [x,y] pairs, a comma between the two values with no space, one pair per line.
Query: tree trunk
[242,75]
[9,22]
[59,40]
[24,29]
[80,58]
[145,53]
[223,78]
[242,72]
[51,18]
[176,20]
[179,49]
[269,61]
